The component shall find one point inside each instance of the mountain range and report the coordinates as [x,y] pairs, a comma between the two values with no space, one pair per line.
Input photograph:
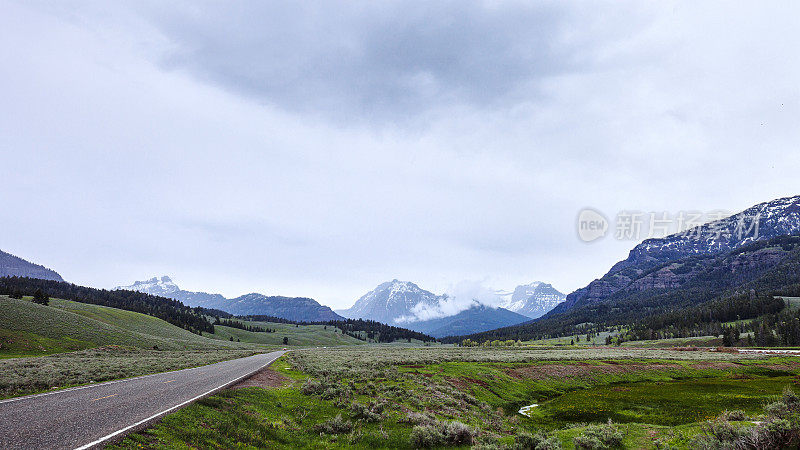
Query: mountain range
[403,303]
[300,309]
[756,251]
[14,266]
[761,222]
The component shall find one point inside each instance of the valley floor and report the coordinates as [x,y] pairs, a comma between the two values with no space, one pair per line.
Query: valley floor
[370,397]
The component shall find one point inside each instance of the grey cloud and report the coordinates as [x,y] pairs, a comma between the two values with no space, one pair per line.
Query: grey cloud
[370,59]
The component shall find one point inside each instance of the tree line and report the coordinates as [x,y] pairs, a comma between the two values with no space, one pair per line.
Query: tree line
[357,328]
[172,311]
[242,326]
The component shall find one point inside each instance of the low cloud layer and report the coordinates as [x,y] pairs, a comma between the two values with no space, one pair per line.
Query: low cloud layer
[459,297]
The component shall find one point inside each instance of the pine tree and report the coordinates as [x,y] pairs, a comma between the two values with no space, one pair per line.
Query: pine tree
[40,297]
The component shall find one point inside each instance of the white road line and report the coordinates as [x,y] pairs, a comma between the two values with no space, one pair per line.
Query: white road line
[166,411]
[105,383]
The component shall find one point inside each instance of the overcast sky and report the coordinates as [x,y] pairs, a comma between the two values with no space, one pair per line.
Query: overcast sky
[320,148]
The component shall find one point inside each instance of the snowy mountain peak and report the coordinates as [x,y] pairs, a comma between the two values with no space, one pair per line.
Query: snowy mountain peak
[534,299]
[155,286]
[763,221]
[389,301]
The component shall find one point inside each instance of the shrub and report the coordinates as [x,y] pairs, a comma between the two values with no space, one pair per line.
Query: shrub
[791,399]
[736,415]
[456,433]
[331,392]
[780,429]
[437,434]
[337,425]
[723,431]
[538,441]
[599,437]
[776,410]
[417,418]
[365,413]
[311,387]
[426,436]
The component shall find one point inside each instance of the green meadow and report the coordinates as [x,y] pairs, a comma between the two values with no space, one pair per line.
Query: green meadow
[453,397]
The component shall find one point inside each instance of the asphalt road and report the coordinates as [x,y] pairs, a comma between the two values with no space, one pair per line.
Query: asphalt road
[87,416]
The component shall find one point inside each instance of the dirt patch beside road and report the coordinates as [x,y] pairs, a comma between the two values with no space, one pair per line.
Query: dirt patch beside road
[264,378]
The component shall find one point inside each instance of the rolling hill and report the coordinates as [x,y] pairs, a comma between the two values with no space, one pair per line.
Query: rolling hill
[27,328]
[66,325]
[304,335]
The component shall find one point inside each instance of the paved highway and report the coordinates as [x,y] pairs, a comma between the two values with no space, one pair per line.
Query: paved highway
[87,416]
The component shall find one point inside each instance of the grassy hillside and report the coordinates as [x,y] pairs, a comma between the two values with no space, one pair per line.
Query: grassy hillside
[30,329]
[305,335]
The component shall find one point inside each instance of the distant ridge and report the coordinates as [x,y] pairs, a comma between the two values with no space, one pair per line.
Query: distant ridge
[300,309]
[14,266]
[475,319]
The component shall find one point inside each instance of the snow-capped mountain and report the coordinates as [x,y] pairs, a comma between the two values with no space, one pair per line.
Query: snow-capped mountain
[400,303]
[155,286]
[165,287]
[761,222]
[290,308]
[390,301]
[534,300]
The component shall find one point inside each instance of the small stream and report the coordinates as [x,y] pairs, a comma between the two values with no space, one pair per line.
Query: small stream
[526,410]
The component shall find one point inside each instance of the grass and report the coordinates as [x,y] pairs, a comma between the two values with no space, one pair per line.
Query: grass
[575,339]
[301,335]
[29,329]
[15,344]
[699,341]
[654,394]
[21,376]
[661,403]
